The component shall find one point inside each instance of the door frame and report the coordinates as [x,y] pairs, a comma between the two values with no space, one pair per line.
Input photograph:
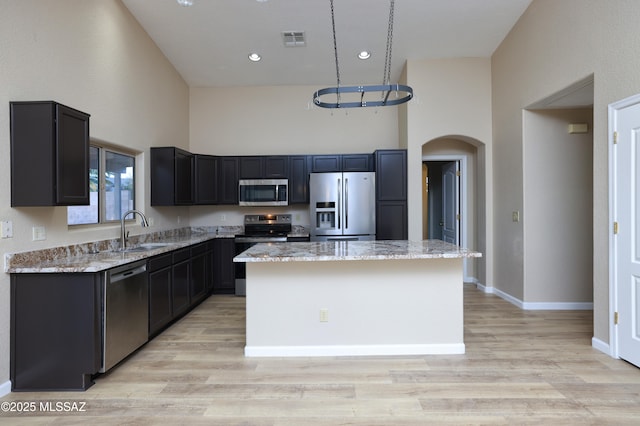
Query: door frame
[613,205]
[464,223]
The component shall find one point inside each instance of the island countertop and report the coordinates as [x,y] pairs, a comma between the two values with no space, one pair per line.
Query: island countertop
[353,250]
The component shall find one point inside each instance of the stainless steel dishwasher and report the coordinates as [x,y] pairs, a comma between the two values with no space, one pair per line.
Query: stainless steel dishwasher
[125,312]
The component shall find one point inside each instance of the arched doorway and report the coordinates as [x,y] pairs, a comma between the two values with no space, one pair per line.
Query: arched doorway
[455,206]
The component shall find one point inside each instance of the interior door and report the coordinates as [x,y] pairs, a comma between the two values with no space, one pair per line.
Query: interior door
[627,239]
[451,202]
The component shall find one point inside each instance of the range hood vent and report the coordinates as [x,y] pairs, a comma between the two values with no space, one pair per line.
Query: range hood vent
[294,38]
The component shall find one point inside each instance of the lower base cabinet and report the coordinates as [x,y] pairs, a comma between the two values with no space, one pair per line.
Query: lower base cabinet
[224,277]
[55,331]
[160,293]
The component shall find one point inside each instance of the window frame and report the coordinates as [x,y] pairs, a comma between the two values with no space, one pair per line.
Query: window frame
[102,169]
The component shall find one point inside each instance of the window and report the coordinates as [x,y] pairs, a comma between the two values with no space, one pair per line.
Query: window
[111,188]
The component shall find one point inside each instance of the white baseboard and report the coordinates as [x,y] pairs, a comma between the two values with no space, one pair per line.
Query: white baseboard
[353,350]
[537,306]
[602,346]
[5,388]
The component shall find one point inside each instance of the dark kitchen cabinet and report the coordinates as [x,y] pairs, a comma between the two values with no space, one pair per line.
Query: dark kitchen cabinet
[181,281]
[357,163]
[206,179]
[326,163]
[391,195]
[393,223]
[263,167]
[49,155]
[342,163]
[228,180]
[276,167]
[172,177]
[160,292]
[251,167]
[200,272]
[224,268]
[298,180]
[55,331]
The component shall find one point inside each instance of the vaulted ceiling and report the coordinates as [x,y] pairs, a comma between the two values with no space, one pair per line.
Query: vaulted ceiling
[209,42]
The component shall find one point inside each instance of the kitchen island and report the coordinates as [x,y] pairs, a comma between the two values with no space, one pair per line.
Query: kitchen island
[350,298]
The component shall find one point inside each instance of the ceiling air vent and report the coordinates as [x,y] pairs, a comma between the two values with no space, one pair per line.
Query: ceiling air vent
[293,38]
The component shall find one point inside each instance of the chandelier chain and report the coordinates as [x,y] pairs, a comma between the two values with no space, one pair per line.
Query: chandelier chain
[386,77]
[335,43]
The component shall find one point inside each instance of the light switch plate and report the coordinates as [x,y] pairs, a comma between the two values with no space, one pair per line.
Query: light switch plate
[6,227]
[38,233]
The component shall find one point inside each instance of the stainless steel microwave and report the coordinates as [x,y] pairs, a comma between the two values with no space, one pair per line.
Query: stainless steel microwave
[263,192]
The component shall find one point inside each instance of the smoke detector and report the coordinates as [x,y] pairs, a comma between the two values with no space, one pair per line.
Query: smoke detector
[293,38]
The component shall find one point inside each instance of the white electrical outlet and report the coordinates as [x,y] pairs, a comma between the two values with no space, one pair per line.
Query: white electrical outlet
[324,315]
[223,218]
[150,221]
[38,233]
[6,227]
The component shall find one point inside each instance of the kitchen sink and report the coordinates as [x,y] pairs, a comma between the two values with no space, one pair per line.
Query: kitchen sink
[147,247]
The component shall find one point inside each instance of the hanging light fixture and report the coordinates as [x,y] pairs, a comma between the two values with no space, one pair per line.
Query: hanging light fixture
[402,93]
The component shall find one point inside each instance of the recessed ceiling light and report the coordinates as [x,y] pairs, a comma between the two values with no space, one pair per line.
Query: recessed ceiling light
[254,57]
[185,2]
[364,55]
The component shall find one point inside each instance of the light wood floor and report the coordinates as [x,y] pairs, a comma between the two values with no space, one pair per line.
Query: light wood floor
[520,368]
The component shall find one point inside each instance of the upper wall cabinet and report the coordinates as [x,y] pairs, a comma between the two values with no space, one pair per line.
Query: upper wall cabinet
[206,179]
[342,163]
[263,167]
[49,155]
[172,177]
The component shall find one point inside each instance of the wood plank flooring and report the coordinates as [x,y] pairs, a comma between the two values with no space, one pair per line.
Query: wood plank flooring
[521,367]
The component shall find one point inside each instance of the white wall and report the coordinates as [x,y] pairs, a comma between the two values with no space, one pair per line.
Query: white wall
[282,120]
[278,120]
[555,44]
[93,56]
[558,207]
[452,100]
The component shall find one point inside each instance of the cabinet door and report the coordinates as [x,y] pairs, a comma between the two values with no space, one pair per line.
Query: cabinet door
[55,331]
[181,281]
[72,153]
[276,167]
[49,155]
[391,175]
[298,180]
[250,167]
[357,163]
[393,220]
[228,180]
[224,268]
[206,179]
[198,284]
[184,175]
[160,296]
[326,163]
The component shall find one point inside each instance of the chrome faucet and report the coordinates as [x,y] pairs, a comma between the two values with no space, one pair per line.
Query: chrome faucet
[123,235]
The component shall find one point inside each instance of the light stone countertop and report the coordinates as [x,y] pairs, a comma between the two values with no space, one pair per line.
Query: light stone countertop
[353,250]
[102,255]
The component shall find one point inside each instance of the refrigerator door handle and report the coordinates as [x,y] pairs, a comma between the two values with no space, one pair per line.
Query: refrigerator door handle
[346,203]
[339,209]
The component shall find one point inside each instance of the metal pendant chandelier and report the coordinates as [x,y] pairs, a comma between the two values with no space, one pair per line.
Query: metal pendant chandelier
[402,93]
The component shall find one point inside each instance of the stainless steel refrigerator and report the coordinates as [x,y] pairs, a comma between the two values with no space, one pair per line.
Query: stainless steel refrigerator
[342,206]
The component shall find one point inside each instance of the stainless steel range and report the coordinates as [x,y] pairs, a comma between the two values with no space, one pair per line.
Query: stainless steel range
[259,228]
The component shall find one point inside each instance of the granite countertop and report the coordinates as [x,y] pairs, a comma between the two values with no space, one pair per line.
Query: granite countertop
[102,255]
[353,250]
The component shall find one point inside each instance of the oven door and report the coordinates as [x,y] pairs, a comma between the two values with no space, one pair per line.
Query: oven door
[243,243]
